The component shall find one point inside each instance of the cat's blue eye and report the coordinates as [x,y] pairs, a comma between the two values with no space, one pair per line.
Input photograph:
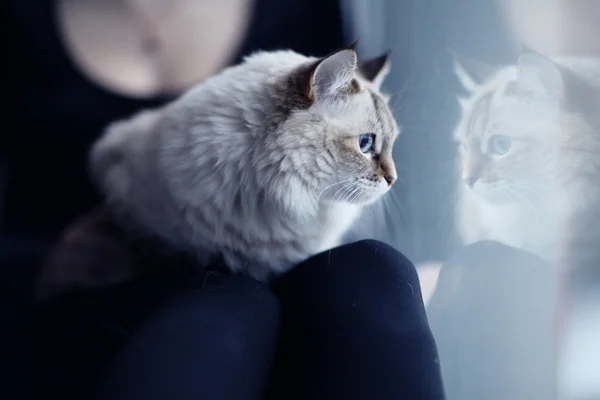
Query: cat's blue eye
[366,141]
[499,145]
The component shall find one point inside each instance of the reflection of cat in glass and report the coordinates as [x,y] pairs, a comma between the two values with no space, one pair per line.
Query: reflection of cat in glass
[530,154]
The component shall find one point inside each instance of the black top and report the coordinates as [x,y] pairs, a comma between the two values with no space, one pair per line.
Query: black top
[56,113]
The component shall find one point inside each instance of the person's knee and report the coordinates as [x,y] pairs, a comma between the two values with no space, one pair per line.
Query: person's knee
[365,275]
[367,260]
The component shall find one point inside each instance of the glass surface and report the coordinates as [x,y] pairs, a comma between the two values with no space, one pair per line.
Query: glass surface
[499,104]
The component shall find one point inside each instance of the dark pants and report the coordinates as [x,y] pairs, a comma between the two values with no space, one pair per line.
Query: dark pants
[345,324]
[494,318]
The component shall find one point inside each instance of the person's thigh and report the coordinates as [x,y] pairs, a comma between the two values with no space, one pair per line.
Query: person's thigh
[212,338]
[354,327]
[493,315]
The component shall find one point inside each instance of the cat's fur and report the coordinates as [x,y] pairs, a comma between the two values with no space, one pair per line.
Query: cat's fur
[541,193]
[259,164]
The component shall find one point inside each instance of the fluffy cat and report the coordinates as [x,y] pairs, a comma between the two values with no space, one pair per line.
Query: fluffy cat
[530,155]
[264,164]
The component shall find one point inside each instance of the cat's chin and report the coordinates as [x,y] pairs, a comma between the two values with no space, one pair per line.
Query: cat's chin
[493,195]
[357,203]
[360,194]
[374,195]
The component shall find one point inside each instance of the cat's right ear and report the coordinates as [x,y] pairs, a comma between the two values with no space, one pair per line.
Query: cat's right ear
[332,74]
[471,73]
[467,82]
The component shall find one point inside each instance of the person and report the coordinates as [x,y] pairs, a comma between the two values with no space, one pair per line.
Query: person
[349,323]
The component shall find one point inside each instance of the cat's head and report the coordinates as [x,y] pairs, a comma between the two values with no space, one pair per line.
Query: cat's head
[337,127]
[520,130]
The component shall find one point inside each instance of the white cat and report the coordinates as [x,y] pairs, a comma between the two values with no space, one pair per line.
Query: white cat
[530,154]
[266,163]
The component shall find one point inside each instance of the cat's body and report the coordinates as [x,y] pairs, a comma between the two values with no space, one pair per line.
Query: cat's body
[530,138]
[261,164]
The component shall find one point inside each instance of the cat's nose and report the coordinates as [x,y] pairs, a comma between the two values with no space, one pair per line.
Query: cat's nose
[387,170]
[390,179]
[470,180]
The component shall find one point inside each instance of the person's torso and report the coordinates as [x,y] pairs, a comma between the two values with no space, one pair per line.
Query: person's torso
[59,108]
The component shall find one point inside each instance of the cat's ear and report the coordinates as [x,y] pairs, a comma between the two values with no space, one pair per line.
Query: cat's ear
[465,79]
[538,74]
[333,73]
[471,73]
[375,69]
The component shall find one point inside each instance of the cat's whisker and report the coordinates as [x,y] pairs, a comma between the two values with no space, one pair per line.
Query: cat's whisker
[332,185]
[347,194]
[529,184]
[524,194]
[366,208]
[529,189]
[360,217]
[396,208]
[355,195]
[344,195]
[342,190]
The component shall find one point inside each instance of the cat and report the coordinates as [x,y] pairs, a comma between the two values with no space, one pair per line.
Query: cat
[529,140]
[263,164]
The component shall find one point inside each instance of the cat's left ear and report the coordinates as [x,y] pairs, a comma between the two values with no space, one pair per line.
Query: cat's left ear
[539,74]
[333,74]
[375,69]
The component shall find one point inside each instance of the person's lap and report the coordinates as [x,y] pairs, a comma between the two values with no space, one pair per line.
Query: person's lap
[350,324]
[215,341]
[354,327]
[152,339]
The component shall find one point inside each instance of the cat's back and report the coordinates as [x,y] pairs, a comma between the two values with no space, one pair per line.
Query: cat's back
[228,113]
